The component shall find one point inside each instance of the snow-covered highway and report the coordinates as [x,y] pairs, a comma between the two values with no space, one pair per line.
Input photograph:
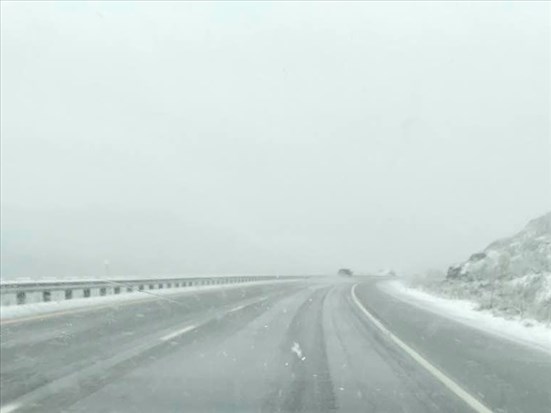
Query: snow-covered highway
[309,346]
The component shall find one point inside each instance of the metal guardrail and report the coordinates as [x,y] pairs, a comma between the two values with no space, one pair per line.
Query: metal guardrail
[30,292]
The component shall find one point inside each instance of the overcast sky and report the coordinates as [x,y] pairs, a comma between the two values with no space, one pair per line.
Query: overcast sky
[181,138]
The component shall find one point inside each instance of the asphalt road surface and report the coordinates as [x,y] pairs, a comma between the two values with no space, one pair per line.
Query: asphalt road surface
[288,347]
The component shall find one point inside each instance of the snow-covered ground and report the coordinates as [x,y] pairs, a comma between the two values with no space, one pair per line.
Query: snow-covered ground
[521,330]
[82,304]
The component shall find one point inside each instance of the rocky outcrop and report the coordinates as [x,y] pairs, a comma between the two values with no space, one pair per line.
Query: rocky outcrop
[512,276]
[527,252]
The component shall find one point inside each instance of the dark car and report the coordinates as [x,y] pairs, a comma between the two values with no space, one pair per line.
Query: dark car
[345,272]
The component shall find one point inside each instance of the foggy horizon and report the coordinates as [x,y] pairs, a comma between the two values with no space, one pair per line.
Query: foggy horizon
[270,138]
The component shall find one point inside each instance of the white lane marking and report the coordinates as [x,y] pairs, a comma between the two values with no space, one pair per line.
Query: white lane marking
[8,408]
[239,307]
[178,333]
[474,403]
[242,306]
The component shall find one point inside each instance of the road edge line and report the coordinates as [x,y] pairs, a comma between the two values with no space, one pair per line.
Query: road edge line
[450,384]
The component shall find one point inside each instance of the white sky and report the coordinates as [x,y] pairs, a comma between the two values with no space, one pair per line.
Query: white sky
[269,137]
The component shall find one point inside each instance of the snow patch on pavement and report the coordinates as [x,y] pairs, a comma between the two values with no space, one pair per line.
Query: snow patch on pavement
[524,331]
[298,351]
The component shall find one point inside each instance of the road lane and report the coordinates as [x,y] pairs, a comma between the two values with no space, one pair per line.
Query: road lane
[35,353]
[506,376]
[370,372]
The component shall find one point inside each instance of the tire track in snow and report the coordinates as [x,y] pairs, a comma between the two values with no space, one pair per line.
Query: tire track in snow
[306,385]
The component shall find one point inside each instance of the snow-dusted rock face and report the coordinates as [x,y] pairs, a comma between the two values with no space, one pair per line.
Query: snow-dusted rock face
[528,252]
[512,276]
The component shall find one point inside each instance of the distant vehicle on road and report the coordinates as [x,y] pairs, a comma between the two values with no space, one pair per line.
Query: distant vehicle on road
[345,272]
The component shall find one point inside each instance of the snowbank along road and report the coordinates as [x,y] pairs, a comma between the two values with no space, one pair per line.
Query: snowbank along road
[307,346]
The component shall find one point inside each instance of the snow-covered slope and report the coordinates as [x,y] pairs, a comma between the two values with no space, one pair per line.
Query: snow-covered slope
[528,252]
[512,276]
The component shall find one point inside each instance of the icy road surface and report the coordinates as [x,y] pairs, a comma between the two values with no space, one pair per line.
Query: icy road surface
[293,347]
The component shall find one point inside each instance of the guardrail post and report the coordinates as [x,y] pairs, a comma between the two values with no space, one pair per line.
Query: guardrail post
[21,297]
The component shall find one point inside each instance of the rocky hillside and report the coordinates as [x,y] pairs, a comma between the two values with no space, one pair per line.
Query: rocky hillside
[512,276]
[528,252]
